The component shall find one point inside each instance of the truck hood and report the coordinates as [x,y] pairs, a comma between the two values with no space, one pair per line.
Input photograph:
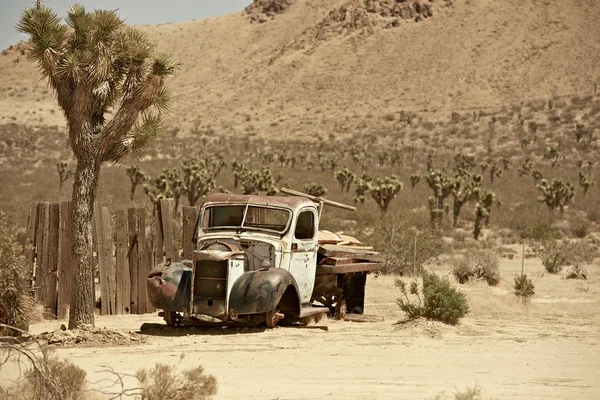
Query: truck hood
[278,244]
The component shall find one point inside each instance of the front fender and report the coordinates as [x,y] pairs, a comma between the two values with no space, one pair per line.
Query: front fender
[169,285]
[257,292]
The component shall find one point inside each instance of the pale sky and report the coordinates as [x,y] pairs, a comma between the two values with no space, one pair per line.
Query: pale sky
[135,12]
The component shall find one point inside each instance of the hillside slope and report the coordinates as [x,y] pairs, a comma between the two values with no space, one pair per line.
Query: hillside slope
[316,63]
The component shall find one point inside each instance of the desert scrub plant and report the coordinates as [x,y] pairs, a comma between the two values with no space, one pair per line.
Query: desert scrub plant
[165,382]
[15,303]
[477,264]
[396,237]
[524,287]
[555,254]
[46,376]
[315,189]
[436,299]
[345,178]
[585,181]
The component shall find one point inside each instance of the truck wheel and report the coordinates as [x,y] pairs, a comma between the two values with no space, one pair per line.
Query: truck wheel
[340,309]
[171,318]
[272,318]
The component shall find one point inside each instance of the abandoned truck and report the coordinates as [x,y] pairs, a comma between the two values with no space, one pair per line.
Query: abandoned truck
[262,260]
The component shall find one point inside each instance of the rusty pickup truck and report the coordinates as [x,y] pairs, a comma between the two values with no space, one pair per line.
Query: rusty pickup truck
[262,260]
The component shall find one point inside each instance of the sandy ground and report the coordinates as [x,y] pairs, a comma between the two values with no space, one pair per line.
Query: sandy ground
[538,353]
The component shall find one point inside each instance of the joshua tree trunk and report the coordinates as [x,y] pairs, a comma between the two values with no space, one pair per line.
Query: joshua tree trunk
[84,193]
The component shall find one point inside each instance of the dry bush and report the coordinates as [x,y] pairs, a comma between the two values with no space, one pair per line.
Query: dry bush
[558,254]
[15,305]
[164,382]
[46,376]
[394,236]
[478,264]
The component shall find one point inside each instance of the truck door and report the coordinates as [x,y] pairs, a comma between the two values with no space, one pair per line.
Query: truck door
[303,265]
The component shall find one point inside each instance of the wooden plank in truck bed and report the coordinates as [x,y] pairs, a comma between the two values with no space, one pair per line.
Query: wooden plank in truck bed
[347,268]
[348,252]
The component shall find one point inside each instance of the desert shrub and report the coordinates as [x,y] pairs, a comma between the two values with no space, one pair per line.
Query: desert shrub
[46,376]
[557,254]
[437,299]
[577,272]
[394,237]
[478,264]
[164,382]
[524,287]
[14,303]
[531,222]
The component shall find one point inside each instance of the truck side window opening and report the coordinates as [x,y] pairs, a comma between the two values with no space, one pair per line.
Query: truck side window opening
[305,228]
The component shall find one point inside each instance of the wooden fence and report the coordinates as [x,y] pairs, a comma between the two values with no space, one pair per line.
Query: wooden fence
[127,245]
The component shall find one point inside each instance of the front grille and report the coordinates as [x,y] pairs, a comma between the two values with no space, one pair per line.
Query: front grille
[211,280]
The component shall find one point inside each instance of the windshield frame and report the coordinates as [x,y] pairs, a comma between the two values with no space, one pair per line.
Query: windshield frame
[242,227]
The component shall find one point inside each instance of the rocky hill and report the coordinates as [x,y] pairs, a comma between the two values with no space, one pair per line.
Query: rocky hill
[308,66]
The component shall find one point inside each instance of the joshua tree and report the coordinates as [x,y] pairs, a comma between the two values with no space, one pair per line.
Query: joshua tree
[556,194]
[463,189]
[64,173]
[483,208]
[95,64]
[414,180]
[585,181]
[197,181]
[345,178]
[315,189]
[136,176]
[362,188]
[440,184]
[385,190]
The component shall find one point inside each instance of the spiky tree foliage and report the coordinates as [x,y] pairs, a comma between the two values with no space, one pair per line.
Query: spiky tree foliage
[585,181]
[526,167]
[198,181]
[463,162]
[315,189]
[483,208]
[215,164]
[556,194]
[495,172]
[168,185]
[362,188]
[441,184]
[64,173]
[96,64]
[385,190]
[414,181]
[345,178]
[524,287]
[255,182]
[537,175]
[137,177]
[464,189]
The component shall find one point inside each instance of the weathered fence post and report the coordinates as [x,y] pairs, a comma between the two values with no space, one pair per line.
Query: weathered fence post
[167,210]
[50,279]
[123,279]
[142,260]
[190,214]
[41,251]
[105,260]
[64,260]
[32,227]
[133,253]
[159,252]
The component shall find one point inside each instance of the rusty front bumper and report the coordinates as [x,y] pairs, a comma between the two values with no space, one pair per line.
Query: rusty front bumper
[169,285]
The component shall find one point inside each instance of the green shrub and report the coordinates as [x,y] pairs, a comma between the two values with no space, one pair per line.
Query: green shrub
[478,264]
[437,299]
[524,287]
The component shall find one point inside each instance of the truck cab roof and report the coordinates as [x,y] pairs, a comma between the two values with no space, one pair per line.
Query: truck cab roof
[290,202]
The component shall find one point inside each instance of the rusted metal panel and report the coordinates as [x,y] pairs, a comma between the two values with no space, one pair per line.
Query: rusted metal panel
[169,285]
[260,291]
[347,268]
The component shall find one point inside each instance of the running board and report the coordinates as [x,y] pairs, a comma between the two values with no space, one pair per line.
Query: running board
[309,310]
